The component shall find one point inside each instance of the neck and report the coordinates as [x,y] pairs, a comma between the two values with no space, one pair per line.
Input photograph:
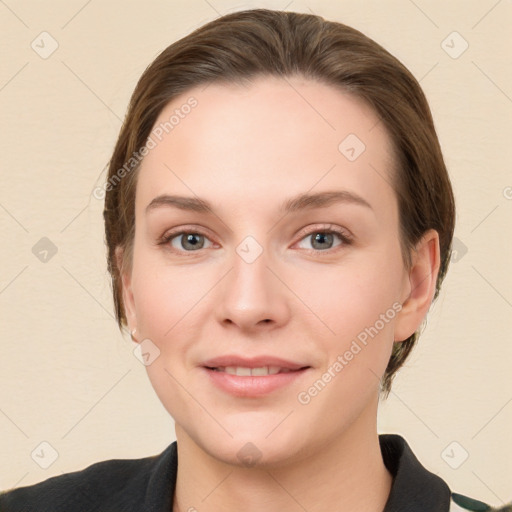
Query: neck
[347,470]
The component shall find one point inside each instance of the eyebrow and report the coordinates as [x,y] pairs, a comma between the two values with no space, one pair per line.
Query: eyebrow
[303,201]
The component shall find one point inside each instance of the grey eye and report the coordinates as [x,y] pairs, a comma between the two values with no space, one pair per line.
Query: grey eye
[188,241]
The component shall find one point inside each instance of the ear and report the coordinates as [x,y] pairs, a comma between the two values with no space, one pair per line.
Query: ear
[419,286]
[126,289]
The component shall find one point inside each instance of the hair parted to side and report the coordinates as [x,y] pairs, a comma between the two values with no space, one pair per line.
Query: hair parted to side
[260,42]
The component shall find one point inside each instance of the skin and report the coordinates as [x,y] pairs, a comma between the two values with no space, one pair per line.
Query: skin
[246,149]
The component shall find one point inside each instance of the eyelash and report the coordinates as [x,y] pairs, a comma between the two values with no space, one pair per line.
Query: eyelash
[344,237]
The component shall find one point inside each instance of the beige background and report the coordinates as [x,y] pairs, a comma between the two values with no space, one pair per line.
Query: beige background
[68,377]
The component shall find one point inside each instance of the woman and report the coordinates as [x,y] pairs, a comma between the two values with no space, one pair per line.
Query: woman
[247,146]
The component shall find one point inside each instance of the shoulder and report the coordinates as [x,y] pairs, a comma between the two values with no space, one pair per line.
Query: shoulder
[115,484]
[414,487]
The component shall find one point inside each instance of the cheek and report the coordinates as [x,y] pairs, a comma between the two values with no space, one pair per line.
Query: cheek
[352,296]
[166,295]
[359,305]
[358,302]
[168,304]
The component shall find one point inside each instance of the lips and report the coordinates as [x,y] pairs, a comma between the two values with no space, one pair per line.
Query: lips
[252,377]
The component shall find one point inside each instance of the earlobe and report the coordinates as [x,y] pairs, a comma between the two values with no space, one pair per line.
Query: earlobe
[126,289]
[420,285]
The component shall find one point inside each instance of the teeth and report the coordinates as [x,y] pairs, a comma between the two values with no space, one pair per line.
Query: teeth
[247,372]
[264,370]
[239,370]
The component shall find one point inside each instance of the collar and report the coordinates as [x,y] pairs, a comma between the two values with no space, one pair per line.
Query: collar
[414,488]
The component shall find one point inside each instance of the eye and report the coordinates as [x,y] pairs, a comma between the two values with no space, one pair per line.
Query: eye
[186,241]
[322,239]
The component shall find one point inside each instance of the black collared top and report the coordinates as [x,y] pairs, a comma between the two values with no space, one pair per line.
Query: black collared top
[147,485]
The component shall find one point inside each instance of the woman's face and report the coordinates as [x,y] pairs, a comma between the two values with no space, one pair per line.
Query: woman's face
[310,287]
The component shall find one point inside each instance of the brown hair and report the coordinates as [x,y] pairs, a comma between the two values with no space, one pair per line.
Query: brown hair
[262,42]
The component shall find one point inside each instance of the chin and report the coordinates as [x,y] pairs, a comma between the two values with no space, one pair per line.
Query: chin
[250,447]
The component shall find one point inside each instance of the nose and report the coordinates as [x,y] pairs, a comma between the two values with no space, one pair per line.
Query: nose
[252,296]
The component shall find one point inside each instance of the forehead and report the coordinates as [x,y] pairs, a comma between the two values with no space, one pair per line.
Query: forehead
[266,141]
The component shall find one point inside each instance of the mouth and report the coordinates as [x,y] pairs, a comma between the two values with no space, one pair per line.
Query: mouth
[252,377]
